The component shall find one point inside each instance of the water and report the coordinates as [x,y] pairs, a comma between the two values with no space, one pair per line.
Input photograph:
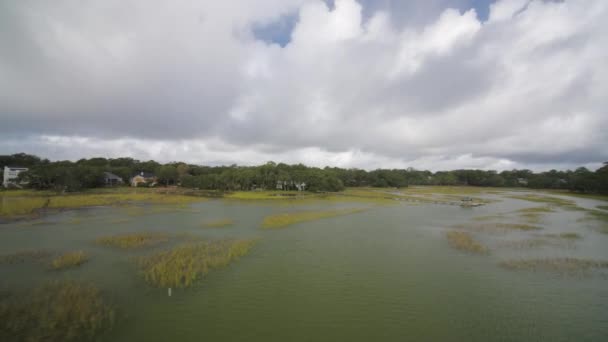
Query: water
[386,274]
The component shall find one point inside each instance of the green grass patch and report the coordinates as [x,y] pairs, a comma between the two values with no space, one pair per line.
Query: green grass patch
[70,259]
[603,207]
[557,265]
[58,311]
[218,223]
[183,265]
[287,219]
[465,242]
[134,240]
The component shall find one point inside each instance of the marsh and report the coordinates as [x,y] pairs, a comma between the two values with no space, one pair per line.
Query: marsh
[357,266]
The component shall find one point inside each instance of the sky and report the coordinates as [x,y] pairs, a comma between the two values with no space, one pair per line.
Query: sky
[428,84]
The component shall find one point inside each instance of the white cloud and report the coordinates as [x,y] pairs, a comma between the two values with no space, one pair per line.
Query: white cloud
[189,80]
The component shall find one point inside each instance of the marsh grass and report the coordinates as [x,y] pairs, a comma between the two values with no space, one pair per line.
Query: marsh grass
[30,201]
[218,223]
[452,190]
[465,242]
[70,259]
[287,219]
[544,199]
[57,311]
[33,255]
[566,266]
[562,240]
[567,235]
[529,243]
[269,195]
[489,217]
[598,217]
[181,266]
[603,207]
[134,240]
[498,227]
[12,207]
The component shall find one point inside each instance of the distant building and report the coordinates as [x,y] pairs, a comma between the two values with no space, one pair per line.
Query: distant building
[11,173]
[143,177]
[111,179]
[291,185]
[522,181]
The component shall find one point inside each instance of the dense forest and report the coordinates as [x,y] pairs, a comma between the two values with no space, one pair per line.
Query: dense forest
[89,173]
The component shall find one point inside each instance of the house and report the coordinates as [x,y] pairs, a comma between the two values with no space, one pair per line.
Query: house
[111,179]
[291,185]
[11,173]
[143,177]
[522,181]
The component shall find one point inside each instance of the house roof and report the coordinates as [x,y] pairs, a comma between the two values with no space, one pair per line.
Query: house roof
[144,174]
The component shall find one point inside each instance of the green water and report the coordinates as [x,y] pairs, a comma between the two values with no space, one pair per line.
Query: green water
[386,274]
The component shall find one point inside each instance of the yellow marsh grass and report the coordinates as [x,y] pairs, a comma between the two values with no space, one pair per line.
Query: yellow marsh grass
[286,219]
[19,206]
[557,265]
[465,242]
[70,259]
[11,206]
[135,240]
[268,195]
[544,199]
[489,217]
[452,190]
[218,223]
[25,256]
[58,311]
[183,265]
[569,236]
[358,195]
[498,227]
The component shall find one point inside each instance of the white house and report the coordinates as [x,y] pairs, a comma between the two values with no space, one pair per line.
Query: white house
[10,175]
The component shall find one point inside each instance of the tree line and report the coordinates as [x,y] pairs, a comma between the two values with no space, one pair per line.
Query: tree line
[89,173]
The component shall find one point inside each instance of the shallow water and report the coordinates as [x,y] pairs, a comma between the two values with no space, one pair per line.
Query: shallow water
[385,274]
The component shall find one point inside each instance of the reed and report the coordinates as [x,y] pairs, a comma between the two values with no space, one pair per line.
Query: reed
[545,199]
[558,265]
[57,311]
[181,266]
[218,223]
[70,259]
[30,201]
[496,227]
[133,240]
[569,236]
[11,207]
[287,219]
[465,242]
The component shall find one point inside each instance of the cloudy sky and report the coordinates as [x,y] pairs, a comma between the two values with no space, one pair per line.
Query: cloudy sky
[431,84]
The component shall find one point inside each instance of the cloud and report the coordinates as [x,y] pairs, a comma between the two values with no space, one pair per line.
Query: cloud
[357,84]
